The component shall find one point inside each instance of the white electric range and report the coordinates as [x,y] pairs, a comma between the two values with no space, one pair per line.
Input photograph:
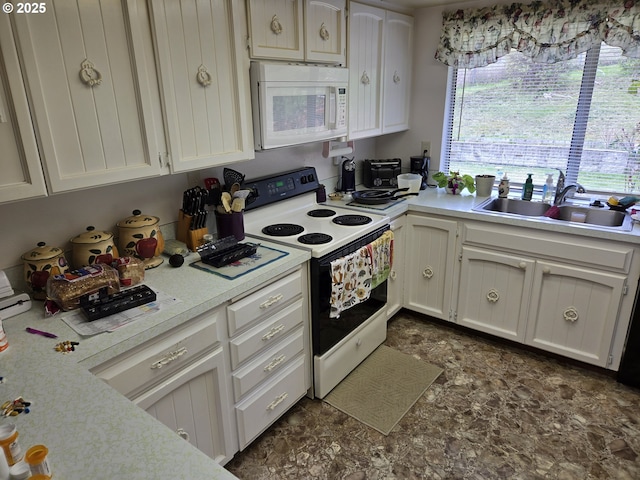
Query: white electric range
[284,209]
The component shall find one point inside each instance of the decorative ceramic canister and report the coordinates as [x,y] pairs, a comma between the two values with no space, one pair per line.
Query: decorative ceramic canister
[88,245]
[135,228]
[46,259]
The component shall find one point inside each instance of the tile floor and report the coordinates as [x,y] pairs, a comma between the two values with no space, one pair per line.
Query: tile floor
[497,412]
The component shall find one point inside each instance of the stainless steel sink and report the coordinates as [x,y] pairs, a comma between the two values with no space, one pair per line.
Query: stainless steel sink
[515,206]
[582,216]
[594,216]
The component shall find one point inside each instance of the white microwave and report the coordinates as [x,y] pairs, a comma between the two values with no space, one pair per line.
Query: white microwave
[295,104]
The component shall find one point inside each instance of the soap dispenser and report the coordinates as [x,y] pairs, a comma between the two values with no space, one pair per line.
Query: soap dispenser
[527,189]
[503,187]
[548,190]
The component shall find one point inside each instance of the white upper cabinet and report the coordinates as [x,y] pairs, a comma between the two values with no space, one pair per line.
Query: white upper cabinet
[20,160]
[205,86]
[276,29]
[91,91]
[366,41]
[397,72]
[380,63]
[298,30]
[325,31]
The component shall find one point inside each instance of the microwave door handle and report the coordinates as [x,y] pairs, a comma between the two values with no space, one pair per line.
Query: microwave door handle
[332,108]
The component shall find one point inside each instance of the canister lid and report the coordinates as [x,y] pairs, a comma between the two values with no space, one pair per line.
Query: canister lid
[137,220]
[42,252]
[92,236]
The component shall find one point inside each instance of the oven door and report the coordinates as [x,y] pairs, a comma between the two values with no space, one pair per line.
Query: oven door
[328,332]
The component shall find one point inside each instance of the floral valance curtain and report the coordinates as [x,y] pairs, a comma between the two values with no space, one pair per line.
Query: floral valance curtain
[548,32]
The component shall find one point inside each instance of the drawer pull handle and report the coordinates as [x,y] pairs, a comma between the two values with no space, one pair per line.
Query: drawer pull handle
[273,332]
[274,363]
[271,300]
[169,357]
[279,399]
[182,433]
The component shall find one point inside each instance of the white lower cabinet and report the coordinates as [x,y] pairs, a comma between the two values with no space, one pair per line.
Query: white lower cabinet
[395,283]
[430,265]
[574,311]
[181,378]
[193,404]
[494,292]
[565,294]
[269,350]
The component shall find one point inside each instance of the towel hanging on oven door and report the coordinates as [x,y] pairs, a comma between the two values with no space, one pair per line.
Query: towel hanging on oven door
[381,254]
[350,281]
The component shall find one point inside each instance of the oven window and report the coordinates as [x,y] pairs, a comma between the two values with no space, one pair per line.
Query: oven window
[298,112]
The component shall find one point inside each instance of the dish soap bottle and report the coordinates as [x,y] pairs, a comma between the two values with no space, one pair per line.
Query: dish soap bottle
[503,187]
[548,190]
[527,189]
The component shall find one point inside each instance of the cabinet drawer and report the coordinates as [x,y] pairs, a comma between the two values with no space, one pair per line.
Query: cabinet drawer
[265,334]
[267,364]
[268,299]
[159,357]
[258,412]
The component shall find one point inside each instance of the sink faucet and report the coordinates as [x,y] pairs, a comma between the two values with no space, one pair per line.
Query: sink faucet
[562,194]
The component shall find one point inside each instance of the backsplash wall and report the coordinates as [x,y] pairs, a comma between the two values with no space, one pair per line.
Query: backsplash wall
[58,218]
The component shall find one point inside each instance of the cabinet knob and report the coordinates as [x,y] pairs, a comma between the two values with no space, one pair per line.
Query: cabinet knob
[182,433]
[428,272]
[393,275]
[396,77]
[278,400]
[203,76]
[276,26]
[271,300]
[89,75]
[169,357]
[364,79]
[570,314]
[273,332]
[546,270]
[522,265]
[493,296]
[324,33]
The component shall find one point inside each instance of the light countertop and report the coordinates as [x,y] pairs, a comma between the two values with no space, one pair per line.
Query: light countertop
[436,201]
[90,429]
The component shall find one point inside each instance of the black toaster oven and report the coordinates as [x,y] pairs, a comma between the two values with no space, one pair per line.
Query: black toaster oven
[381,173]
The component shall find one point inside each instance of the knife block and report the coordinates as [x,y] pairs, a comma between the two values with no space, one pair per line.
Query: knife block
[193,238]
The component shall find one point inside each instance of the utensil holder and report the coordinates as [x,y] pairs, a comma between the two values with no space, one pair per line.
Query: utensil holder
[230,224]
[193,238]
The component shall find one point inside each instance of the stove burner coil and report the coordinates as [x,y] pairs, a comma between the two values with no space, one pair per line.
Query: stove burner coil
[352,220]
[282,229]
[315,238]
[321,212]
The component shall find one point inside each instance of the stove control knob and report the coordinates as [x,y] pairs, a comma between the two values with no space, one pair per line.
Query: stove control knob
[310,177]
[303,180]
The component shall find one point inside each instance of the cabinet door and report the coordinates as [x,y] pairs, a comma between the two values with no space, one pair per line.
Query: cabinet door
[90,92]
[205,88]
[494,292]
[574,311]
[395,283]
[366,37]
[21,170]
[276,29]
[325,31]
[430,266]
[398,52]
[195,404]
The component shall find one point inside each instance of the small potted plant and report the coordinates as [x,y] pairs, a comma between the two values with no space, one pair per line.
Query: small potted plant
[455,183]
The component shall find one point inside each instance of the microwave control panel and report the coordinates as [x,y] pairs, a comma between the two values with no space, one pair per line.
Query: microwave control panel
[341,108]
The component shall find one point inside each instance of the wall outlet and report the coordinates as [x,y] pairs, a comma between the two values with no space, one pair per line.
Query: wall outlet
[426,145]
